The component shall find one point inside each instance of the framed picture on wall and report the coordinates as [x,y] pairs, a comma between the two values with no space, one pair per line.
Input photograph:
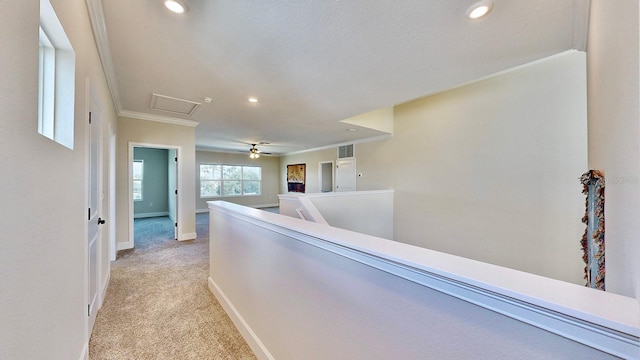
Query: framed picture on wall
[296,177]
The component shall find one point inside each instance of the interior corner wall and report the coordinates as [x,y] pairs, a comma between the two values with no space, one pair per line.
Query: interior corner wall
[157,133]
[614,134]
[488,171]
[43,256]
[155,181]
[270,177]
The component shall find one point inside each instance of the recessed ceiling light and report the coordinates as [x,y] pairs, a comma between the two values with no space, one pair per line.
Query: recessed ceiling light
[253,99]
[479,10]
[177,6]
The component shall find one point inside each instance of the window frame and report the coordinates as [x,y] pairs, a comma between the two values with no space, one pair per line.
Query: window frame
[221,181]
[134,179]
[56,79]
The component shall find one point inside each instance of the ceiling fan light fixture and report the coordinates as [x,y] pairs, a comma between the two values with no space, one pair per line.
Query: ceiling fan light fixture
[176,6]
[479,9]
[254,153]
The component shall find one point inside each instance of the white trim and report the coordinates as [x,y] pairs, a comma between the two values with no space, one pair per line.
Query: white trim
[187,236]
[98,24]
[333,175]
[249,336]
[604,321]
[360,141]
[263,206]
[151,214]
[158,118]
[85,351]
[104,287]
[112,193]
[124,245]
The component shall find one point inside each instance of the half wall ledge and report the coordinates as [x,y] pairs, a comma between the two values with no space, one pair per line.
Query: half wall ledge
[600,320]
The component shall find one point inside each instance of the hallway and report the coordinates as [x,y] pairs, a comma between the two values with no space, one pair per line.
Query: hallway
[158,305]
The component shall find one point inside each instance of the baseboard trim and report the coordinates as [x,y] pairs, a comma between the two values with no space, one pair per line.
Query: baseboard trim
[151,214]
[85,351]
[105,286]
[245,330]
[188,236]
[124,245]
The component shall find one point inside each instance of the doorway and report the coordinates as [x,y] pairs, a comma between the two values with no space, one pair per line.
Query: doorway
[153,193]
[325,176]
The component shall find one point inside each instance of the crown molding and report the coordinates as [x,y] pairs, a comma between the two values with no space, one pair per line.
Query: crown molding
[98,24]
[158,118]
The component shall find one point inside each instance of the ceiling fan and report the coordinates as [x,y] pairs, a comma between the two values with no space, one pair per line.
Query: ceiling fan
[254,153]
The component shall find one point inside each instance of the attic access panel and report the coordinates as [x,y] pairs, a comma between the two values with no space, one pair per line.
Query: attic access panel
[173,105]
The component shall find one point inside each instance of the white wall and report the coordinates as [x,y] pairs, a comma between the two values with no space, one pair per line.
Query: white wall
[490,170]
[43,249]
[614,134]
[157,133]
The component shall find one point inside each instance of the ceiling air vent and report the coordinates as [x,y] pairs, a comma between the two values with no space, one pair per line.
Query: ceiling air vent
[345,151]
[173,105]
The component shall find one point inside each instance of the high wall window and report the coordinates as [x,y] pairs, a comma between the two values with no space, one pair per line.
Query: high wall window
[218,180]
[138,175]
[56,79]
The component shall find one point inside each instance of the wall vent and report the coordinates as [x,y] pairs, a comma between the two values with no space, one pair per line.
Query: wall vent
[173,105]
[345,151]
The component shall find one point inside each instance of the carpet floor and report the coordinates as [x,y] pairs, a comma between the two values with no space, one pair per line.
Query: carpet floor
[158,305]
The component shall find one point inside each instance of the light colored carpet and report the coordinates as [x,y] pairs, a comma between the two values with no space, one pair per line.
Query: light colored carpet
[158,305]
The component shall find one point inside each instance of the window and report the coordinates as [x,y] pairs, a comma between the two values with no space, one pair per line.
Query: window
[138,175]
[229,180]
[56,79]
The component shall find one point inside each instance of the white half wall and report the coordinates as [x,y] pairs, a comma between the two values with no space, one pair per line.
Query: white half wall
[302,290]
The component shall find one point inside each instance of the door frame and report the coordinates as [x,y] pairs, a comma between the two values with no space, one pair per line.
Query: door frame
[321,173]
[178,149]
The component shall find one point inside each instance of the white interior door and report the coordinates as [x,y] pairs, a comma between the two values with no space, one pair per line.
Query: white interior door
[94,209]
[346,175]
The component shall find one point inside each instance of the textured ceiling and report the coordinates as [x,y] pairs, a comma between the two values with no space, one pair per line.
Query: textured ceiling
[313,63]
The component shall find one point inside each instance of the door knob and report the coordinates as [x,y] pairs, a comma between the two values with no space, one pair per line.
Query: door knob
[101,221]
